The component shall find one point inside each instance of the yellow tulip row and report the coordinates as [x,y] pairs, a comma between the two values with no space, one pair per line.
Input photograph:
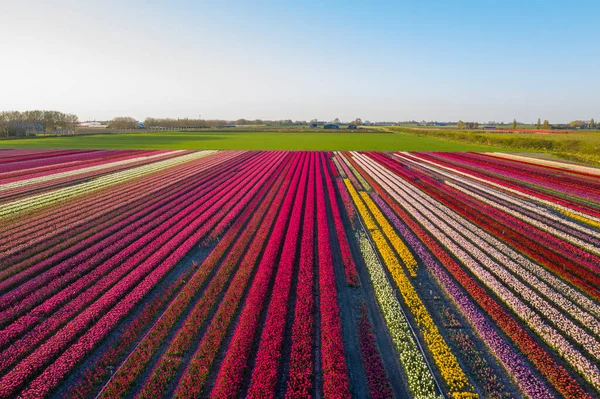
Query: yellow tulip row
[580,218]
[397,243]
[449,368]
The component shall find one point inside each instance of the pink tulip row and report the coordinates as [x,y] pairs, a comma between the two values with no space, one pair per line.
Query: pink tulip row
[139,359]
[191,384]
[347,258]
[154,269]
[556,374]
[88,209]
[43,158]
[300,380]
[264,376]
[170,362]
[334,370]
[234,366]
[347,202]
[377,377]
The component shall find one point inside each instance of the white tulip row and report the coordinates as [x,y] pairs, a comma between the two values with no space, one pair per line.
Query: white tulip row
[449,237]
[27,182]
[47,198]
[517,192]
[420,379]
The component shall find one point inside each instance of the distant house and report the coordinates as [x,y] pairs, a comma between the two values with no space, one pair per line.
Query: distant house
[331,126]
[351,126]
[313,125]
[489,127]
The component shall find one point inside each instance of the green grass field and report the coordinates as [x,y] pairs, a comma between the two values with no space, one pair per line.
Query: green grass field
[232,140]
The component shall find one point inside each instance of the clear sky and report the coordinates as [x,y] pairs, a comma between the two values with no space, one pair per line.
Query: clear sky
[378,60]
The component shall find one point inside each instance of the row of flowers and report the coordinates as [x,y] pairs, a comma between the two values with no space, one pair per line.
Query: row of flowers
[556,374]
[336,382]
[135,364]
[420,379]
[347,258]
[234,366]
[365,185]
[268,355]
[300,379]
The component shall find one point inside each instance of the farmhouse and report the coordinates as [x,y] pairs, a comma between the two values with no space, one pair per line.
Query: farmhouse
[331,126]
[351,126]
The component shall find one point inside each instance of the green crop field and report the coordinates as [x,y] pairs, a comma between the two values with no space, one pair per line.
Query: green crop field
[236,140]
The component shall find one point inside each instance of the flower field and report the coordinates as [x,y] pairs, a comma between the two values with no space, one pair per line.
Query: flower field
[263,274]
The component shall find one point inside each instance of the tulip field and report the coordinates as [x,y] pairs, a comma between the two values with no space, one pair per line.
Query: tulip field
[295,274]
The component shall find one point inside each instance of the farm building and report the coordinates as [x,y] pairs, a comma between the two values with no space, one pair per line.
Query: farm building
[351,126]
[489,127]
[313,125]
[331,126]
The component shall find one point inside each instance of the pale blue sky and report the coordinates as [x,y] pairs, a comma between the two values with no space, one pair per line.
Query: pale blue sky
[378,60]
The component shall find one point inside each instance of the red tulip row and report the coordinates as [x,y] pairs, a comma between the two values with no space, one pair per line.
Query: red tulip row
[335,372]
[192,382]
[347,258]
[377,377]
[50,324]
[347,201]
[88,210]
[102,367]
[39,159]
[264,376]
[300,380]
[172,359]
[504,182]
[157,265]
[110,246]
[234,366]
[556,374]
[140,357]
[509,229]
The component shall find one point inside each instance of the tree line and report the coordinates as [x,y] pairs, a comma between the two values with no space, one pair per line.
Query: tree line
[15,123]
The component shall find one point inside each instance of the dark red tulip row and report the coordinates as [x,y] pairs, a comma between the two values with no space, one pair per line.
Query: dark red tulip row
[171,361]
[300,380]
[377,377]
[557,375]
[191,384]
[235,364]
[264,375]
[334,370]
[347,258]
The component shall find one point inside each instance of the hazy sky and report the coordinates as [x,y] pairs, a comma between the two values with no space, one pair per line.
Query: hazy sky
[378,60]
